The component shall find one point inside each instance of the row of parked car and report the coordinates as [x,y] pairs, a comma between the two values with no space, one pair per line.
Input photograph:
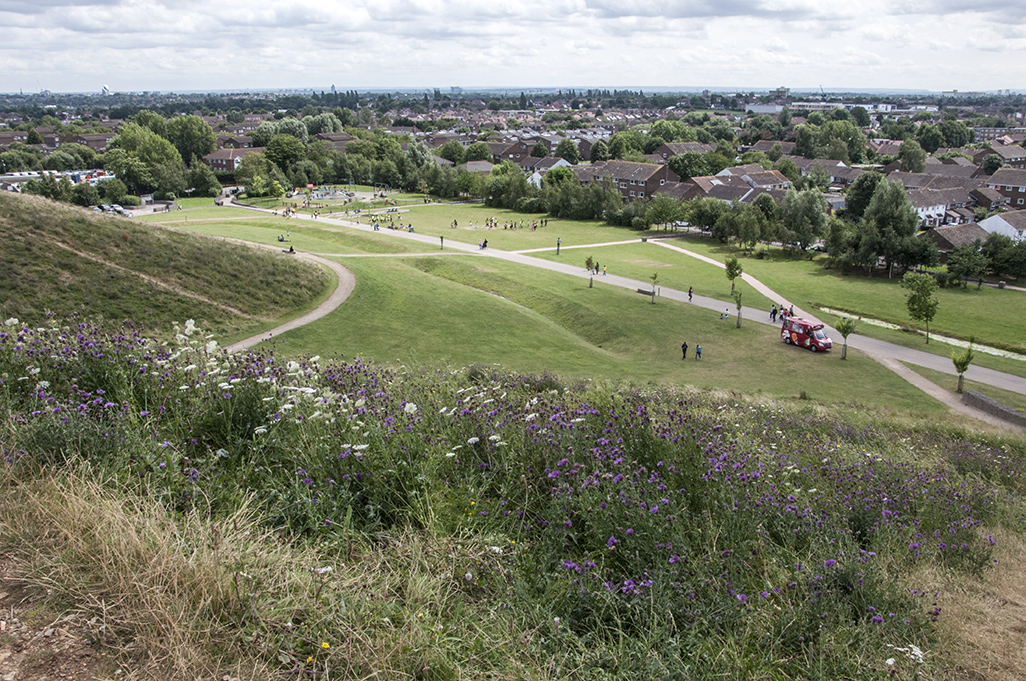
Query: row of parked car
[114,208]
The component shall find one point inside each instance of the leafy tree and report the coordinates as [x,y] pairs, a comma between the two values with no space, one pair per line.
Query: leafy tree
[991,163]
[784,117]
[192,136]
[895,222]
[860,193]
[540,150]
[619,145]
[733,270]
[912,157]
[689,164]
[775,152]
[860,116]
[845,327]
[968,262]
[567,149]
[34,137]
[803,217]
[114,190]
[706,212]
[453,151]
[962,360]
[789,169]
[85,194]
[419,154]
[662,210]
[203,181]
[599,152]
[50,187]
[479,151]
[736,295]
[283,150]
[805,141]
[955,133]
[930,138]
[717,161]
[919,300]
[152,120]
[559,175]
[294,127]
[328,122]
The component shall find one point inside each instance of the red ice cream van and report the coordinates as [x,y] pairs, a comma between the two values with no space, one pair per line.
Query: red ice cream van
[806,334]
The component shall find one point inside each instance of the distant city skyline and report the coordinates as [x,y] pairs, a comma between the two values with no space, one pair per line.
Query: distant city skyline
[412,45]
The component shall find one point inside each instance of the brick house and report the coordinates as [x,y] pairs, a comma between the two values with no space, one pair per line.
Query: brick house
[228,160]
[1010,182]
[634,180]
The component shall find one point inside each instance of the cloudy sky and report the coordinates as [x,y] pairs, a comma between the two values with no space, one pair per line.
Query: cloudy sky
[193,45]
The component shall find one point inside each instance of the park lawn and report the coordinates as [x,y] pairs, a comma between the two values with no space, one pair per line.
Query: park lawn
[435,219]
[428,311]
[309,236]
[675,270]
[950,383]
[986,313]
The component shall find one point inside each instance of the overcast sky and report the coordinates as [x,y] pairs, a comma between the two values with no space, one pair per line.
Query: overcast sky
[193,45]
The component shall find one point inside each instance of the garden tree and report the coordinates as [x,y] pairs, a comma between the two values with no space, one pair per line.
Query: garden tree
[919,300]
[619,145]
[283,150]
[895,223]
[687,165]
[956,133]
[50,187]
[263,133]
[770,212]
[365,148]
[344,115]
[789,169]
[137,155]
[479,151]
[662,210]
[705,212]
[962,360]
[843,131]
[388,149]
[860,115]
[860,193]
[558,175]
[322,123]
[991,163]
[750,226]
[419,154]
[716,161]
[540,150]
[507,185]
[1012,260]
[757,157]
[803,217]
[912,157]
[993,248]
[192,136]
[775,152]
[203,181]
[733,270]
[294,127]
[968,262]
[152,120]
[816,119]
[805,141]
[845,327]
[929,138]
[452,151]
[84,194]
[62,160]
[567,149]
[784,117]
[817,176]
[234,116]
[599,152]
[471,184]
[736,295]
[169,182]
[34,137]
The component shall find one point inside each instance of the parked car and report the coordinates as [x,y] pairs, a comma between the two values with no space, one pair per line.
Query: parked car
[806,334]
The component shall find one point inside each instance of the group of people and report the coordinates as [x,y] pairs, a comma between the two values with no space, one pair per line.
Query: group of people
[684,351]
[595,269]
[783,312]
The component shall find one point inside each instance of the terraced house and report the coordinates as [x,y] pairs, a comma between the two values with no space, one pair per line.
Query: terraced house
[635,180]
[1010,182]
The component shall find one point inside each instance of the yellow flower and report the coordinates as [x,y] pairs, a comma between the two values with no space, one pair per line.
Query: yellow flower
[325,645]
[309,660]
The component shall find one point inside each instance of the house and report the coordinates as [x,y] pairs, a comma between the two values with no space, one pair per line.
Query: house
[950,237]
[228,160]
[234,141]
[1013,155]
[767,179]
[94,140]
[1010,182]
[766,146]
[741,170]
[1012,225]
[989,199]
[671,149]
[634,180]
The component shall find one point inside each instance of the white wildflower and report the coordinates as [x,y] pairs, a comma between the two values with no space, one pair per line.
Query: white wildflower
[494,438]
[260,430]
[12,322]
[410,408]
[473,440]
[211,346]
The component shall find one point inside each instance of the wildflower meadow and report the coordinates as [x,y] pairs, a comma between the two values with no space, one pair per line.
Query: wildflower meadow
[565,530]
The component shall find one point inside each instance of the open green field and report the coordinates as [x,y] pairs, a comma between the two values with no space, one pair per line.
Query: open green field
[465,310]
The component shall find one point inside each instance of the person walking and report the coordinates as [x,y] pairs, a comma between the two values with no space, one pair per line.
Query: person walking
[684,349]
[773,313]
[691,290]
[698,352]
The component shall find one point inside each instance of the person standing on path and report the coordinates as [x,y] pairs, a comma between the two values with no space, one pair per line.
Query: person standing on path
[691,290]
[773,314]
[684,349]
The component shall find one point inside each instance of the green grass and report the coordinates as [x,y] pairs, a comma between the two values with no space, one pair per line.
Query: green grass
[950,383]
[463,310]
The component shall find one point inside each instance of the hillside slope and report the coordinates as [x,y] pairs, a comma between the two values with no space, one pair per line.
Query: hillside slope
[67,261]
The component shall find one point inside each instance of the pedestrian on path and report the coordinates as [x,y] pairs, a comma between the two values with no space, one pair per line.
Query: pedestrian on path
[773,313]
[691,290]
[684,349]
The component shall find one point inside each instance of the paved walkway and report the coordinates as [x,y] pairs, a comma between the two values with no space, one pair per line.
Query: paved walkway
[888,354]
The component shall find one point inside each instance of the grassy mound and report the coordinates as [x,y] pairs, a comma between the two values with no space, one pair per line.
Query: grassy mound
[343,519]
[65,261]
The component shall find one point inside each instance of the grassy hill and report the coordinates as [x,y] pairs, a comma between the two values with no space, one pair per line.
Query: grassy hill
[65,261]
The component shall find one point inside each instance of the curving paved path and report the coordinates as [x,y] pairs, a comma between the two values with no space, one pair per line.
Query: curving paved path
[888,354]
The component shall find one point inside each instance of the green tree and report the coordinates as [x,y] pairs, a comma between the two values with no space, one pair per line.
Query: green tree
[453,151]
[733,270]
[895,224]
[192,136]
[599,152]
[619,146]
[202,180]
[479,151]
[283,150]
[919,300]
[956,133]
[991,163]
[968,262]
[930,138]
[114,190]
[845,327]
[860,193]
[689,164]
[789,169]
[784,117]
[912,157]
[803,217]
[962,360]
[567,149]
[736,295]
[152,120]
[860,116]
[34,137]
[805,141]
[662,210]
[559,175]
[540,150]
[85,194]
